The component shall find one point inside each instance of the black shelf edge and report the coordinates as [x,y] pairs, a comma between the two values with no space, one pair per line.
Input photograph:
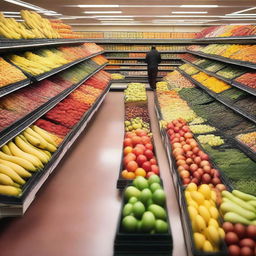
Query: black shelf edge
[226,80]
[21,124]
[22,203]
[136,69]
[14,87]
[136,58]
[13,44]
[218,98]
[223,59]
[141,64]
[162,52]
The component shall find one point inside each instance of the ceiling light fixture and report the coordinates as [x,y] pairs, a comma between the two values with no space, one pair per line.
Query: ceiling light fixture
[199,6]
[24,4]
[11,12]
[190,12]
[245,10]
[114,19]
[103,12]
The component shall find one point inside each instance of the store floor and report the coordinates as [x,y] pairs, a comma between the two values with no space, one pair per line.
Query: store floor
[76,211]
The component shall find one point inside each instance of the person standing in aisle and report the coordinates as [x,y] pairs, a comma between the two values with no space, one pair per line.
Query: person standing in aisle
[153,58]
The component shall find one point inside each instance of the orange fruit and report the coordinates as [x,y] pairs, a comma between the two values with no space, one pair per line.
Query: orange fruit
[127,150]
[130,176]
[140,172]
[124,173]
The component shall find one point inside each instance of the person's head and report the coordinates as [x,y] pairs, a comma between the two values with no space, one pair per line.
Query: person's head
[153,47]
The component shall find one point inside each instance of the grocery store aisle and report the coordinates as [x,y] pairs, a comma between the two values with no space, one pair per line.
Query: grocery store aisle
[76,211]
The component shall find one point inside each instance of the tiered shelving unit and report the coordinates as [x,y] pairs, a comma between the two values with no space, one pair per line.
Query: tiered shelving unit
[17,206]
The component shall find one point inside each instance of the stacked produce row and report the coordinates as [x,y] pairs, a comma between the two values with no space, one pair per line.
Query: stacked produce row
[19,104]
[34,27]
[208,165]
[23,160]
[143,225]
[139,56]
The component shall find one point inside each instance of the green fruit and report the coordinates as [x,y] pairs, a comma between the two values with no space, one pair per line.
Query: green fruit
[155,186]
[158,211]
[154,179]
[145,195]
[133,200]
[138,209]
[140,183]
[148,221]
[127,123]
[161,226]
[131,191]
[149,202]
[139,225]
[129,224]
[127,210]
[158,197]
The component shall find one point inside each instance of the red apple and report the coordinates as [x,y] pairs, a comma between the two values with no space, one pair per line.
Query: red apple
[193,167]
[189,161]
[145,140]
[195,180]
[206,178]
[149,146]
[155,169]
[141,159]
[153,161]
[128,142]
[138,151]
[186,181]
[149,154]
[149,174]
[146,166]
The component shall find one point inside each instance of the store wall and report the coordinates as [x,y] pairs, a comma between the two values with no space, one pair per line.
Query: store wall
[139,28]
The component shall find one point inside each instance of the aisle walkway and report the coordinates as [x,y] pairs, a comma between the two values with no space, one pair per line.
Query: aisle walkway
[76,211]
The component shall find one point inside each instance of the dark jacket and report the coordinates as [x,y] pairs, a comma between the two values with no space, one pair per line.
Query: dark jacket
[153,58]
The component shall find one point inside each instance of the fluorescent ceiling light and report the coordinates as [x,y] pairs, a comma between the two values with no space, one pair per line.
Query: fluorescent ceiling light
[245,10]
[114,19]
[111,16]
[190,12]
[199,6]
[92,12]
[238,19]
[98,5]
[24,4]
[12,16]
[11,12]
[51,14]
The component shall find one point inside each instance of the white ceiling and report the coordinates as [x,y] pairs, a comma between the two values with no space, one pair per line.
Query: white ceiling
[144,13]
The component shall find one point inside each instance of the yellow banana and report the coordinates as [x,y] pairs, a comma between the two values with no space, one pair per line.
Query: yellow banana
[213,235]
[16,185]
[18,152]
[6,180]
[46,135]
[9,190]
[18,160]
[6,150]
[33,140]
[17,168]
[12,174]
[48,146]
[29,149]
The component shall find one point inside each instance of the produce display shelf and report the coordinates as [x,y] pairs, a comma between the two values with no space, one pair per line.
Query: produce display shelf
[218,98]
[229,81]
[13,87]
[225,40]
[17,127]
[137,69]
[14,44]
[141,64]
[136,58]
[120,85]
[162,52]
[17,206]
[224,59]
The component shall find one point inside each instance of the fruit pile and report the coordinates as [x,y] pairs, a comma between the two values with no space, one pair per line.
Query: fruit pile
[238,207]
[193,164]
[198,120]
[136,111]
[211,140]
[136,123]
[189,69]
[176,80]
[248,79]
[249,139]
[128,47]
[173,107]
[100,60]
[189,57]
[25,154]
[230,72]
[117,76]
[14,74]
[139,158]
[135,92]
[202,204]
[211,83]
[201,128]
[162,86]
[145,207]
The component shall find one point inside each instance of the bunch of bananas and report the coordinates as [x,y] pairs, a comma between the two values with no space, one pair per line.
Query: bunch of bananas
[26,153]
[39,62]
[41,27]
[12,29]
